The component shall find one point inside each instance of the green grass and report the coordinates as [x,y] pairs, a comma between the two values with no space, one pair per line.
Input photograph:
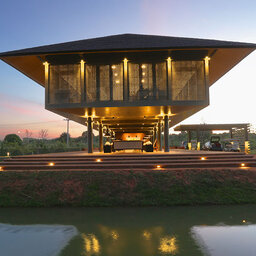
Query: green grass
[107,188]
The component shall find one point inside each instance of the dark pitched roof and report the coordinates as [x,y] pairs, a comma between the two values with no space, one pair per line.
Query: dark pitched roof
[128,42]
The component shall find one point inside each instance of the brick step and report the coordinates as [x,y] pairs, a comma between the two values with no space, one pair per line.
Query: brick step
[121,166]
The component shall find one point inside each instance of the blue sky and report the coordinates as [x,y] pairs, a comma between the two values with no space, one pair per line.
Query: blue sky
[32,23]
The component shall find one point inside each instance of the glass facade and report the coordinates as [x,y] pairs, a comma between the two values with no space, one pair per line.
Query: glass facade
[180,81]
[188,81]
[64,84]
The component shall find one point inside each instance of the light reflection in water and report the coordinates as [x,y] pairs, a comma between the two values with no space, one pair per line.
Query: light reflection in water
[168,245]
[91,244]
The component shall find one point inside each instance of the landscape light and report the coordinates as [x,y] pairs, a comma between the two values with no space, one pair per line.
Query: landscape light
[203,158]
[51,164]
[158,166]
[243,165]
[1,168]
[244,221]
[98,160]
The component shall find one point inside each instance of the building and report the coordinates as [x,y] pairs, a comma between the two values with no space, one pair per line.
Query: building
[128,83]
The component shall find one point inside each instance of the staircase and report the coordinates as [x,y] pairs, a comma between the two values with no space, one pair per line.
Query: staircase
[150,161]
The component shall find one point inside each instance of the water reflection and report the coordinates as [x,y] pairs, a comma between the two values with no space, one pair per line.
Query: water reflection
[193,231]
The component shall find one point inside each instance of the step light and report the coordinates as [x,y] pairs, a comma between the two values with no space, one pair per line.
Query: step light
[1,168]
[203,158]
[51,164]
[243,164]
[98,160]
[158,166]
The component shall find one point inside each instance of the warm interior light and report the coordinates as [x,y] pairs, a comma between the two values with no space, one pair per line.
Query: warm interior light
[142,80]
[51,164]
[115,74]
[98,160]
[207,58]
[45,63]
[143,66]
[203,158]
[117,81]
[242,164]
[113,67]
[143,73]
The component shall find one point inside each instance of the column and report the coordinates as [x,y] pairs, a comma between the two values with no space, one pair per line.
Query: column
[197,140]
[246,141]
[90,139]
[159,144]
[189,140]
[100,137]
[207,68]
[46,84]
[166,134]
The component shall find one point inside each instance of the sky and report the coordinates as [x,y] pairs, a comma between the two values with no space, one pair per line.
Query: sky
[30,23]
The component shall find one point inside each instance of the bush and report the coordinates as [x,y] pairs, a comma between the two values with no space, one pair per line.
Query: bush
[13,138]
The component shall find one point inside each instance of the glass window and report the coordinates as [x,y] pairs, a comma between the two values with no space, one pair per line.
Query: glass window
[117,78]
[161,81]
[90,83]
[140,82]
[104,83]
[188,81]
[65,84]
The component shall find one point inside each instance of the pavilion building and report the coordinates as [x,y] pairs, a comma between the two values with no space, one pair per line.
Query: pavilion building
[128,83]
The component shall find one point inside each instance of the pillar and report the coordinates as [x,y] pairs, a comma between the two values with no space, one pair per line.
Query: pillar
[100,137]
[155,135]
[246,142]
[90,139]
[159,144]
[166,134]
[197,140]
[189,140]
[231,133]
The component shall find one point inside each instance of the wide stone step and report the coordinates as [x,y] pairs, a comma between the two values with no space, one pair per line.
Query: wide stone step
[127,161]
[121,166]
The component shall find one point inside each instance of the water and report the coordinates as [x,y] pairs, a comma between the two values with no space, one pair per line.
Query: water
[211,230]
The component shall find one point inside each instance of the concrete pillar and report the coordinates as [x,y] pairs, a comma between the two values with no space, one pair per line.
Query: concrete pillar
[159,141]
[166,134]
[100,137]
[189,140]
[90,139]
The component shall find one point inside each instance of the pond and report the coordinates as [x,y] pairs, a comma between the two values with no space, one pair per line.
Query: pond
[184,230]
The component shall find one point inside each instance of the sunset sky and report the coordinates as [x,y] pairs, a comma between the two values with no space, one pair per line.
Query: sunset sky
[30,23]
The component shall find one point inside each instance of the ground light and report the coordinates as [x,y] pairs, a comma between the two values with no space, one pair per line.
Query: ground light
[98,160]
[244,221]
[243,165]
[158,166]
[1,168]
[203,158]
[51,164]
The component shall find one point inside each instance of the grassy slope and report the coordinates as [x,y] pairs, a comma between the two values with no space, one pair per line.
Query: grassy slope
[102,188]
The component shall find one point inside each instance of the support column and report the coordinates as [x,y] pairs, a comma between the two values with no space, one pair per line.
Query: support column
[231,133]
[246,142]
[159,142]
[100,137]
[166,134]
[89,139]
[189,140]
[197,140]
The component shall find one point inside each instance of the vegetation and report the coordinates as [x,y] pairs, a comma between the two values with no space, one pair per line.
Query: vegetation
[129,188]
[13,144]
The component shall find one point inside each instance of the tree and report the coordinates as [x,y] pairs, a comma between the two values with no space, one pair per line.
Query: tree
[13,138]
[63,137]
[28,134]
[43,134]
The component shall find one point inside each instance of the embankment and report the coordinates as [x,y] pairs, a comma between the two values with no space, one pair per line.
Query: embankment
[127,188]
